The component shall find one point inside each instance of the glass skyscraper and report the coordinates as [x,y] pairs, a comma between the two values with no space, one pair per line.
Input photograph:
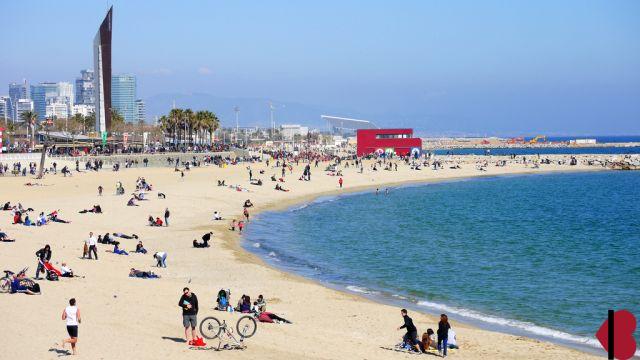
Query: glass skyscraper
[84,88]
[123,96]
[39,94]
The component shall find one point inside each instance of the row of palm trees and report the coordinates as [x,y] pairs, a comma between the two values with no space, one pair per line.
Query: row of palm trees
[188,127]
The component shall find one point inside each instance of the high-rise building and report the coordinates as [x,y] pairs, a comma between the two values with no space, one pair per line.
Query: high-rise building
[123,96]
[102,75]
[43,93]
[16,92]
[141,111]
[84,88]
[57,108]
[22,106]
[5,108]
[83,109]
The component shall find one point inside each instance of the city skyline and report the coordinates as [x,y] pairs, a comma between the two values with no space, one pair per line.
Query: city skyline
[492,68]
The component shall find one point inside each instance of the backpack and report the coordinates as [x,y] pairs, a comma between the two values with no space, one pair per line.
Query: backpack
[52,276]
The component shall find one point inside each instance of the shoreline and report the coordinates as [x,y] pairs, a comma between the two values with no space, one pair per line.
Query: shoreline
[386,298]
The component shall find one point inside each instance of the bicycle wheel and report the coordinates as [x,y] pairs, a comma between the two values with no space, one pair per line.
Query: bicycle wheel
[210,328]
[246,326]
[5,285]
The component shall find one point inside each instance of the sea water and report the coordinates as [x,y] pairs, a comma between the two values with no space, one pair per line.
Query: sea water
[538,255]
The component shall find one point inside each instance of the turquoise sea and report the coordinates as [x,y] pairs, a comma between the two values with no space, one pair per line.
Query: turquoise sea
[538,255]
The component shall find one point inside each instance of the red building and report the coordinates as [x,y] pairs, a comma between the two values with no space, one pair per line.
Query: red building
[394,141]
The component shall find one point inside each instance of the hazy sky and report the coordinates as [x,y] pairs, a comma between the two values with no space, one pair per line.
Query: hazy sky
[459,66]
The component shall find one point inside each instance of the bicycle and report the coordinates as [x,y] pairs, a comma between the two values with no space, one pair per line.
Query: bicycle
[5,281]
[211,328]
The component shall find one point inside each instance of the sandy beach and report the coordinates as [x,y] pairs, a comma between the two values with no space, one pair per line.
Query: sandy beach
[127,317]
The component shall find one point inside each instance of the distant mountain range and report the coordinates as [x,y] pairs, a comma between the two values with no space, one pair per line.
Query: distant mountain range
[253,111]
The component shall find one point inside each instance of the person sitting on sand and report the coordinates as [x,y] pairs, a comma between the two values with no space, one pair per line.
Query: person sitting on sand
[27,221]
[117,250]
[7,206]
[143,274]
[17,218]
[156,222]
[223,300]
[132,202]
[261,304]
[217,215]
[428,341]
[280,188]
[247,204]
[245,307]
[65,270]
[161,196]
[205,241]
[125,236]
[140,248]
[42,220]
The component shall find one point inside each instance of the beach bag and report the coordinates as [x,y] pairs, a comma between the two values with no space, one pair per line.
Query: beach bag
[52,276]
[85,250]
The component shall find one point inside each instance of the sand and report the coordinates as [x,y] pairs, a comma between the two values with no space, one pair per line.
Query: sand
[134,318]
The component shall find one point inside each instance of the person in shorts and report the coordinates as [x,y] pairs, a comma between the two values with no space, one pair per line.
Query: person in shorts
[71,315]
[189,304]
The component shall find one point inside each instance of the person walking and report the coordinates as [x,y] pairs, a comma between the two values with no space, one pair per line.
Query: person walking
[43,255]
[71,315]
[100,188]
[246,214]
[411,337]
[443,334]
[166,216]
[340,182]
[92,243]
[189,304]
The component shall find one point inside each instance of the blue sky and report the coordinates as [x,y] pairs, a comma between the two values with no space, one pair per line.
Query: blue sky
[505,67]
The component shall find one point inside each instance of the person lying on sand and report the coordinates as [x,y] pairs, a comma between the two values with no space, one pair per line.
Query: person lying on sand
[280,188]
[5,238]
[132,202]
[117,250]
[20,284]
[161,196]
[143,274]
[54,217]
[96,210]
[125,236]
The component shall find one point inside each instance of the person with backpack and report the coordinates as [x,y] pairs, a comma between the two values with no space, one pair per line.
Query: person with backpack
[43,255]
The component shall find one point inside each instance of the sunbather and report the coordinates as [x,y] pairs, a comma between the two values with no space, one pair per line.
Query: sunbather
[117,250]
[125,236]
[143,274]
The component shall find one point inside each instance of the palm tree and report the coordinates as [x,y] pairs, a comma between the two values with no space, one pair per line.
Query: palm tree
[188,118]
[176,116]
[117,121]
[30,118]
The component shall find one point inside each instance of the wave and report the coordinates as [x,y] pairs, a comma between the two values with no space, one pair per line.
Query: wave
[521,325]
[361,290]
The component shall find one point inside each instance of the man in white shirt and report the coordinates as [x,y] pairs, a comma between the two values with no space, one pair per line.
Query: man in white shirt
[91,242]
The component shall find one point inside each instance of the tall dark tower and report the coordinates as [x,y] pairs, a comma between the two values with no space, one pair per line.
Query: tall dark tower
[102,73]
